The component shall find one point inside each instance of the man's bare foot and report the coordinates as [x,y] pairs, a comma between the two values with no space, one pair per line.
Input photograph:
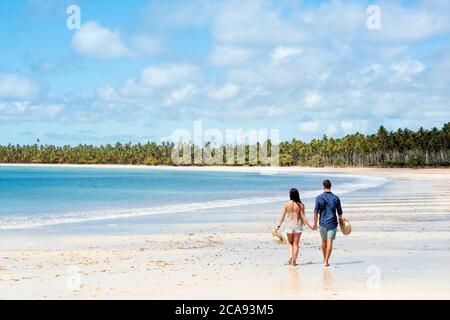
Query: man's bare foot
[326,264]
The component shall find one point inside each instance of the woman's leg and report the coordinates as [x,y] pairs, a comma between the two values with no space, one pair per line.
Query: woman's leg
[295,247]
[290,242]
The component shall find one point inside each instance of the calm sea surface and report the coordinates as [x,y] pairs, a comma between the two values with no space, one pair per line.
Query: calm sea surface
[34,197]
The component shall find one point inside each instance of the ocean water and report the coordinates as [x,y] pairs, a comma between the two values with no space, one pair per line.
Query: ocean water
[38,197]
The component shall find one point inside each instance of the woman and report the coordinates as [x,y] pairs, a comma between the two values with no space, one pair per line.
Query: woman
[294,213]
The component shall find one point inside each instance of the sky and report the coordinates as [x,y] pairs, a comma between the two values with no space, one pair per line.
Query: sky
[139,70]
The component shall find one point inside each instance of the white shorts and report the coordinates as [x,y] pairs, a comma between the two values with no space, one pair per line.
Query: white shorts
[294,229]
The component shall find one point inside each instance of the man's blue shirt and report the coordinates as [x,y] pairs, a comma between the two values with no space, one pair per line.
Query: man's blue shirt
[326,206]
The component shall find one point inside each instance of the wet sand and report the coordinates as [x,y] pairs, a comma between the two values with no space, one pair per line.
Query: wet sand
[399,249]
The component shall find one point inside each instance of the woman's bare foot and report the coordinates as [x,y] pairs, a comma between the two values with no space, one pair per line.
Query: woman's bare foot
[294,264]
[290,261]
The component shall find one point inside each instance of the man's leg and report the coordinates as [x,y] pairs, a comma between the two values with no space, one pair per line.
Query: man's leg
[324,249]
[329,248]
[324,236]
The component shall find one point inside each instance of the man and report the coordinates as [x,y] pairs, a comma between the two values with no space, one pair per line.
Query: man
[327,204]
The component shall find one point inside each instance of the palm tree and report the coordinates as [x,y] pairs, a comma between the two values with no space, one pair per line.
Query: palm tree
[399,148]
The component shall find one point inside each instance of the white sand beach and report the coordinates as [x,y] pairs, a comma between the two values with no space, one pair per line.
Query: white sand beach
[399,249]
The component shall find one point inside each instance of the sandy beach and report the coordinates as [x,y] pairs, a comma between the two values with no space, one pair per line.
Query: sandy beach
[399,249]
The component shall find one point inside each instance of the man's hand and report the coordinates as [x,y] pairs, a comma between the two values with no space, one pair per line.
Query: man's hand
[341,220]
[315,227]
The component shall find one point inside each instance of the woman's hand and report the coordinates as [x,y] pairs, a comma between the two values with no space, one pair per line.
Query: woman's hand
[305,219]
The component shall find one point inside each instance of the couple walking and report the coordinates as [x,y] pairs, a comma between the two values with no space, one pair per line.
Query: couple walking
[327,205]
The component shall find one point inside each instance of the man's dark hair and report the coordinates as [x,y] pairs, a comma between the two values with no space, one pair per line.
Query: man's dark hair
[326,184]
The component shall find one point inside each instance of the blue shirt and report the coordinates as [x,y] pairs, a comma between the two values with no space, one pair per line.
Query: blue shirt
[326,206]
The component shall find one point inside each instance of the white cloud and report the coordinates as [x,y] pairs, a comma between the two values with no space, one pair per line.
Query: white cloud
[127,93]
[169,75]
[355,94]
[347,126]
[228,91]
[352,126]
[285,54]
[143,45]
[133,89]
[393,52]
[27,110]
[13,108]
[412,23]
[316,127]
[309,127]
[405,70]
[179,13]
[369,74]
[230,55]
[313,99]
[333,18]
[164,85]
[16,86]
[95,41]
[254,22]
[305,58]
[50,111]
[106,93]
[332,129]
[179,95]
[374,70]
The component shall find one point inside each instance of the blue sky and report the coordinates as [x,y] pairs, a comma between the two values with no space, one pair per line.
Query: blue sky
[138,70]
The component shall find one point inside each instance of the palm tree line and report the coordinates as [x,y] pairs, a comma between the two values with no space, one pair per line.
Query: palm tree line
[401,148]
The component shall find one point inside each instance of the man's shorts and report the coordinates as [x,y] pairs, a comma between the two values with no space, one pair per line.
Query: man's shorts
[326,233]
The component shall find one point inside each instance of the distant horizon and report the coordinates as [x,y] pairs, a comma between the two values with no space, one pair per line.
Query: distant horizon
[40,142]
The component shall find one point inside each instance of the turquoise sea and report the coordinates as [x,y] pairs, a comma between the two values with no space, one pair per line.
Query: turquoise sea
[79,197]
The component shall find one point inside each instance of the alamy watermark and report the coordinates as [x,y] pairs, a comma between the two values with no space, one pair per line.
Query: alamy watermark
[73,280]
[374,279]
[373,21]
[73,21]
[230,147]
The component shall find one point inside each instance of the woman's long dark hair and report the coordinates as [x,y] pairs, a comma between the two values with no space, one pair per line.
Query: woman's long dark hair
[294,195]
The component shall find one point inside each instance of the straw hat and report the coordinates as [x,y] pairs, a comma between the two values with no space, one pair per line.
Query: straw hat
[278,237]
[346,227]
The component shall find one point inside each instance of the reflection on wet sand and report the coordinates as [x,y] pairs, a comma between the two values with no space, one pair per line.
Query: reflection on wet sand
[290,286]
[294,283]
[327,279]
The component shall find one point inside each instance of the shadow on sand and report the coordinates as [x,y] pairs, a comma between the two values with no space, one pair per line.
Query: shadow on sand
[345,263]
[332,264]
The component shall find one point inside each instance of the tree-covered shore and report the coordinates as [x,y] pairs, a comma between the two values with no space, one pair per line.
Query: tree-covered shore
[401,148]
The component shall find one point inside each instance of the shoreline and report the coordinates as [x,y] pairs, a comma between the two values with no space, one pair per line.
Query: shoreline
[262,169]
